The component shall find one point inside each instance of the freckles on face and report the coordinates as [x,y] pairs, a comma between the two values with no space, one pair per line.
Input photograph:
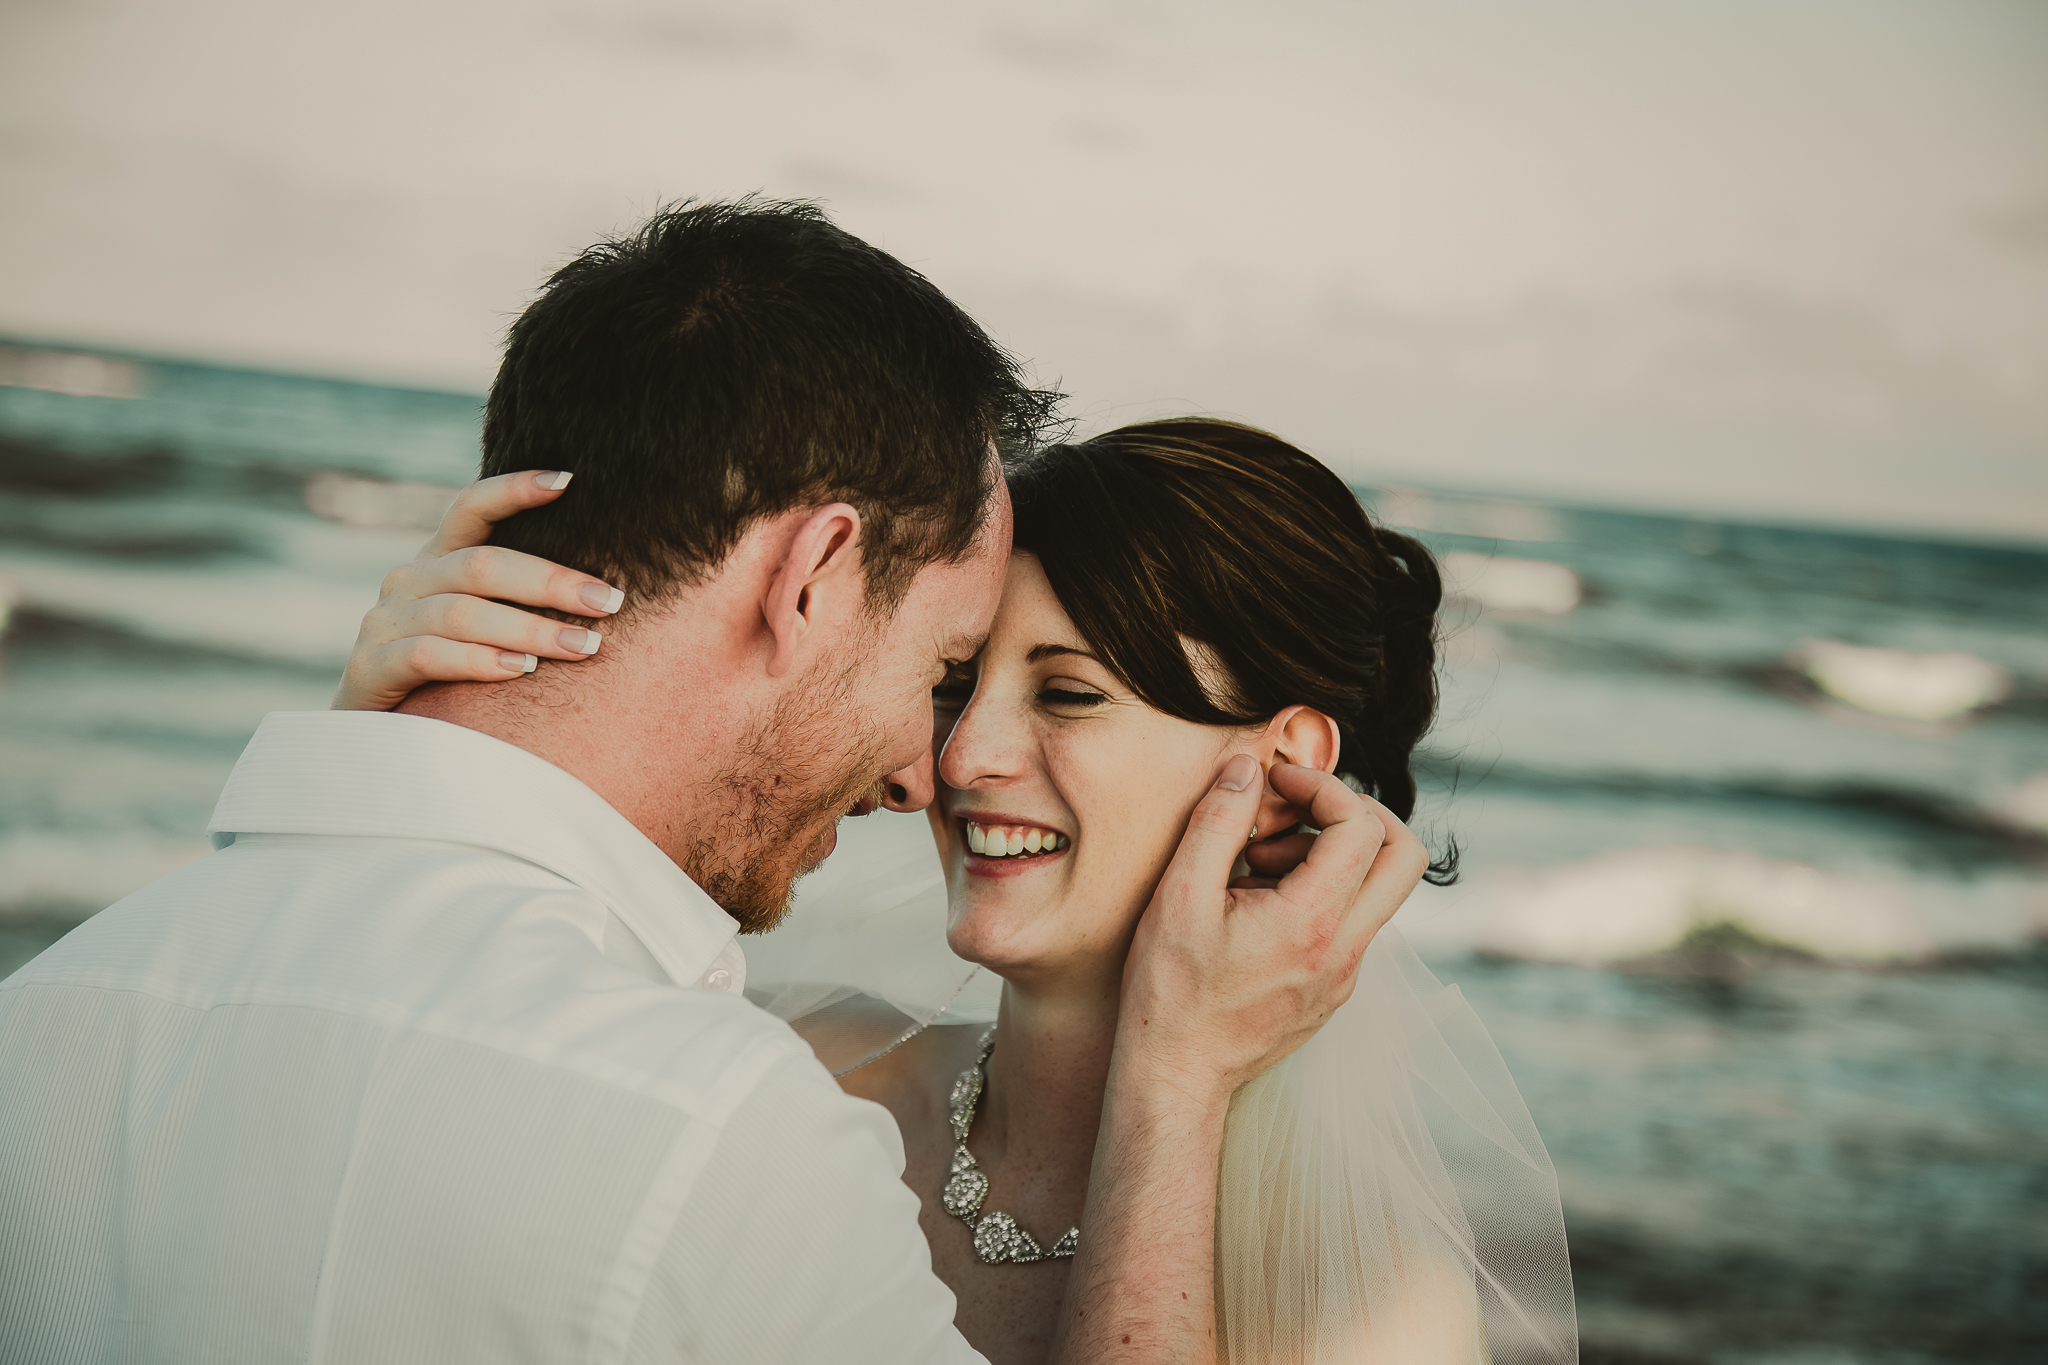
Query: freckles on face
[1039,736]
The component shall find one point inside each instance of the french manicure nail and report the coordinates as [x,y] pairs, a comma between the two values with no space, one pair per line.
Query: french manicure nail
[525,663]
[554,480]
[600,599]
[580,640]
[1238,773]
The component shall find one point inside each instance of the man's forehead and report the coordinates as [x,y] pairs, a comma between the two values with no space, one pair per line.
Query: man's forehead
[967,608]
[950,604]
[957,598]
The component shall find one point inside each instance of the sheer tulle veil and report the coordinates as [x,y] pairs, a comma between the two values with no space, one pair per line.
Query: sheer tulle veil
[1384,1196]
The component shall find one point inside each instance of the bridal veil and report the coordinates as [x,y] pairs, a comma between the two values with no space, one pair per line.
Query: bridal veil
[1384,1196]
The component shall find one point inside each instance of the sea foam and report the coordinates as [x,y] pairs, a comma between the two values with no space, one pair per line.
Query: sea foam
[1639,902]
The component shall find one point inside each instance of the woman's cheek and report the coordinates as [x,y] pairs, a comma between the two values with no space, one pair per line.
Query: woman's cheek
[1122,792]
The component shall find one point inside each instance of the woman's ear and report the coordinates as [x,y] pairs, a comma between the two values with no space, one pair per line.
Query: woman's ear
[1305,737]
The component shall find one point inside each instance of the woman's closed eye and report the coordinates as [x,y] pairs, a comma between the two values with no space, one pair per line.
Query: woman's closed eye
[1067,692]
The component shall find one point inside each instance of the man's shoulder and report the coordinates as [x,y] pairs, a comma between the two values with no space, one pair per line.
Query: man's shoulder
[439,943]
[244,917]
[701,1052]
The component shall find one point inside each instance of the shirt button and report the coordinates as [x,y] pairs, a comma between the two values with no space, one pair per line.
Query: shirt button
[719,979]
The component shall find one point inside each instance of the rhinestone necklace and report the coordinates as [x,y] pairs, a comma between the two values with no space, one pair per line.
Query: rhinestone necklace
[997,1238]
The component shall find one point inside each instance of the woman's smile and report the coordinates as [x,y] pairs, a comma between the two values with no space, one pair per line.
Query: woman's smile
[999,845]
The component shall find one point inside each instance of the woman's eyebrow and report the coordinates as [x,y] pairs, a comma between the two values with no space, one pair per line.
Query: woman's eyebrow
[1040,653]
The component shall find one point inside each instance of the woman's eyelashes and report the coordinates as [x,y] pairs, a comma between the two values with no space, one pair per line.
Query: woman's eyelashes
[1066,692]
[957,689]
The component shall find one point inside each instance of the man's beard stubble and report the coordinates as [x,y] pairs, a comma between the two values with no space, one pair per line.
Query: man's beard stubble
[793,776]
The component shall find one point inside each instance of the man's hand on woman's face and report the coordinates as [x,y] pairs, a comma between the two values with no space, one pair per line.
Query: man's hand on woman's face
[1225,980]
[435,621]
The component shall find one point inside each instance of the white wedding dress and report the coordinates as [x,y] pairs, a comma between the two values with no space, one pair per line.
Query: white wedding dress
[1384,1196]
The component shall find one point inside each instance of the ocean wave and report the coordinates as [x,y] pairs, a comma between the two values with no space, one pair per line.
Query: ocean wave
[77,374]
[1634,904]
[231,417]
[254,611]
[34,467]
[377,504]
[2025,807]
[1975,826]
[1500,583]
[1902,684]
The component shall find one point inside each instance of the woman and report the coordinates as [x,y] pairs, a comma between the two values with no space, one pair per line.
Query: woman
[1180,592]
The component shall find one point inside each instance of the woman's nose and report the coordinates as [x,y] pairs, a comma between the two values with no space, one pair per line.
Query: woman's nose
[979,750]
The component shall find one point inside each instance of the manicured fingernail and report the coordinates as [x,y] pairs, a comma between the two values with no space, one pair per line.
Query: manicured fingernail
[525,663]
[582,641]
[554,480]
[1238,773]
[600,599]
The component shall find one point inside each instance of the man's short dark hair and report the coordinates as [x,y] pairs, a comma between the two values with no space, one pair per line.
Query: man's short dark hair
[730,361]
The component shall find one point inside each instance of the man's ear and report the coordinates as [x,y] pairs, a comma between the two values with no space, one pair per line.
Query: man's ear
[819,577]
[1305,737]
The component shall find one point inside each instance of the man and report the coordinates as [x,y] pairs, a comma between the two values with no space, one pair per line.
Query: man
[443,1055]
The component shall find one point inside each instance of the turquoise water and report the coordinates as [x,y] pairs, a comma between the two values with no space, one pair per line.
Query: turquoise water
[1800,1118]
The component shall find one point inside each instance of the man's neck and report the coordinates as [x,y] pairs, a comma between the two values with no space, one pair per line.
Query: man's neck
[606,724]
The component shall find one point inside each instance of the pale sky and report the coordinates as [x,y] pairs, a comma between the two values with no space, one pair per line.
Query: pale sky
[1782,258]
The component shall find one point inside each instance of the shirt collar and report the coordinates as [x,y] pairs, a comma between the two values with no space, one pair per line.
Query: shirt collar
[378,774]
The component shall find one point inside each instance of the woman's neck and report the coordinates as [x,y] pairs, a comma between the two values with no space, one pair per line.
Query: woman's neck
[1043,1101]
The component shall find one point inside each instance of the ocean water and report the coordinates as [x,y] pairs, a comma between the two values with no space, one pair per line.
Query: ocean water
[1754,823]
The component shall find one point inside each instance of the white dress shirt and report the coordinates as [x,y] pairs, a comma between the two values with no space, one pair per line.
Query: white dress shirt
[437,1059]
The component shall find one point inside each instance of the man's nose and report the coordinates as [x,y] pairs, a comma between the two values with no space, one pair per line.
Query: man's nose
[909,789]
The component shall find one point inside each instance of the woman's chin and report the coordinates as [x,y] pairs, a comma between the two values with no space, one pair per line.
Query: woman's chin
[1030,944]
[1005,939]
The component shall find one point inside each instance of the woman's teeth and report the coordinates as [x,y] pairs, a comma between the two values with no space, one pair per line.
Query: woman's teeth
[1012,841]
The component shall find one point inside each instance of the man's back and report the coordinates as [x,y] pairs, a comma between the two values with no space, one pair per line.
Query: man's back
[345,1096]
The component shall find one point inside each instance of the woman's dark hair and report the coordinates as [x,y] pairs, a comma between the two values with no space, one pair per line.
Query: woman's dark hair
[725,362]
[1227,536]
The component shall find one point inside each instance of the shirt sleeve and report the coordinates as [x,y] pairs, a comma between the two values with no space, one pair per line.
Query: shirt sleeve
[799,1242]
